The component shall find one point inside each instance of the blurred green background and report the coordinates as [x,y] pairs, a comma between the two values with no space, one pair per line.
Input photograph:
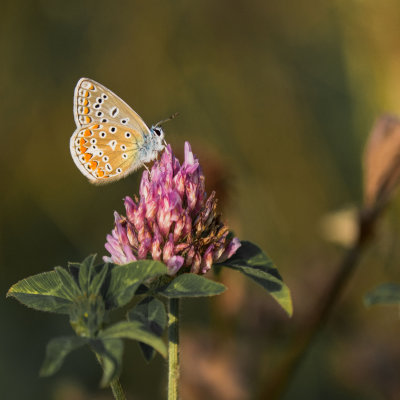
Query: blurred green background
[277,99]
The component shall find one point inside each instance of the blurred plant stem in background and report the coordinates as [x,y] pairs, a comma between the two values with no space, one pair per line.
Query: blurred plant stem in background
[381,178]
[280,380]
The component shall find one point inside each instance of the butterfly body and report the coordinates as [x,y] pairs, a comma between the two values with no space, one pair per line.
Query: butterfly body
[111,140]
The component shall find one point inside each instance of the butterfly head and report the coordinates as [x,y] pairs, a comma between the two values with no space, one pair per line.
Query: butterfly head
[158,132]
[158,137]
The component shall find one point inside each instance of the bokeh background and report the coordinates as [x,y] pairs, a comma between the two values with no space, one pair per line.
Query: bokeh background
[277,99]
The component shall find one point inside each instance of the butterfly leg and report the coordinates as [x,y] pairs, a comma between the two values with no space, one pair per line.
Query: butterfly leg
[144,165]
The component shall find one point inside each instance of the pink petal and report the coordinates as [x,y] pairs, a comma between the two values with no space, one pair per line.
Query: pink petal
[168,250]
[189,158]
[230,250]
[174,264]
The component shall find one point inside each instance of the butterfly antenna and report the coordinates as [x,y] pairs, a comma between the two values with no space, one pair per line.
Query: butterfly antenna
[168,119]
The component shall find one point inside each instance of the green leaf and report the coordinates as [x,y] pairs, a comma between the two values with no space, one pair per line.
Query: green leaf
[68,282]
[110,352]
[386,293]
[151,312]
[98,280]
[44,292]
[56,351]
[85,271]
[192,285]
[135,330]
[87,315]
[125,279]
[251,261]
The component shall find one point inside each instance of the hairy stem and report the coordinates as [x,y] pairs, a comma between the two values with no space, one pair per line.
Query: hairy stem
[117,390]
[173,348]
[115,385]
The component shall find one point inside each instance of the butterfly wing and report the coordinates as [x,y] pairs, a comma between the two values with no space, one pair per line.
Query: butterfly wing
[104,152]
[106,144]
[94,103]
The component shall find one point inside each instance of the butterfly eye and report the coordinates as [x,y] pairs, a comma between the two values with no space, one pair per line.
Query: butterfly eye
[157,131]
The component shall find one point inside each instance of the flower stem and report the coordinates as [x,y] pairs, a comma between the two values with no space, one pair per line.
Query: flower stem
[115,385]
[117,390]
[173,348]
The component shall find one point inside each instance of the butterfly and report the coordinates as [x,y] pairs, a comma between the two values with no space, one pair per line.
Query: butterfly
[111,140]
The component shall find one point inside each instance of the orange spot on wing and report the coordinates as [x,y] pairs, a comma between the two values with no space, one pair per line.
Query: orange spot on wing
[95,127]
[85,102]
[87,157]
[82,141]
[85,110]
[93,165]
[91,87]
[85,93]
[87,120]
[100,173]
[87,133]
[83,149]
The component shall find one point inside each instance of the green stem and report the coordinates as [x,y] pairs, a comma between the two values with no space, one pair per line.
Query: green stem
[115,385]
[173,348]
[117,390]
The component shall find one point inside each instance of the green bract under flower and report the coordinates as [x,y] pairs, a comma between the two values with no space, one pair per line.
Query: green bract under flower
[173,221]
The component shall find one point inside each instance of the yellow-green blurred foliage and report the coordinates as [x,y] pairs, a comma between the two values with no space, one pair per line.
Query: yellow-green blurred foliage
[277,99]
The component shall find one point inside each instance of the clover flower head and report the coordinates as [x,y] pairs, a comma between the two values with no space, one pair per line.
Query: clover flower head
[173,220]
